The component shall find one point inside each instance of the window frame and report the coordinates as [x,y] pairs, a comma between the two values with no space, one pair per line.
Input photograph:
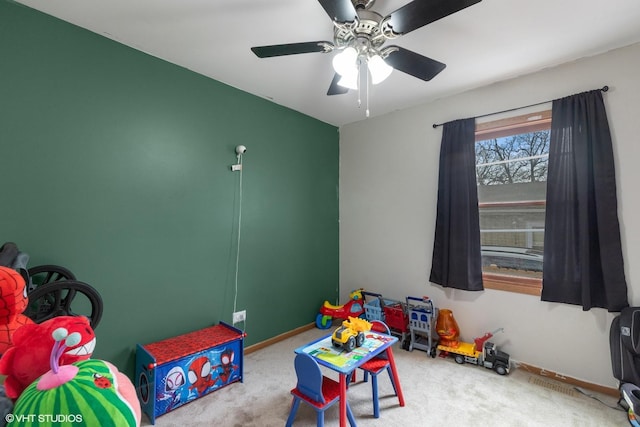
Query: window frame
[531,122]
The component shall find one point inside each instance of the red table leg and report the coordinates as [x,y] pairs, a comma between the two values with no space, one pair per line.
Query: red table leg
[394,371]
[343,400]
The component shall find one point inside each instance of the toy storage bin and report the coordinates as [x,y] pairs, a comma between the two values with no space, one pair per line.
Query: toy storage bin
[175,371]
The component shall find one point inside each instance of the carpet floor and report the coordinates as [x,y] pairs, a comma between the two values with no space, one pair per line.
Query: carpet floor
[437,391]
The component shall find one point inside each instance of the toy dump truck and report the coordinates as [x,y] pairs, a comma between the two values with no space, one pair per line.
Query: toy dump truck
[351,334]
[480,352]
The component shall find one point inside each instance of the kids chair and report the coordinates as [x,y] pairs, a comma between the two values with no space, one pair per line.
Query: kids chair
[376,366]
[315,389]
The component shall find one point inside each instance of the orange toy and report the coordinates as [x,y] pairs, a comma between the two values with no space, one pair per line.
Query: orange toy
[447,328]
[13,301]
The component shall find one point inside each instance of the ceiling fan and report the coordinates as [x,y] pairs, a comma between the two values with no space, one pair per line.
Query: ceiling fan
[360,35]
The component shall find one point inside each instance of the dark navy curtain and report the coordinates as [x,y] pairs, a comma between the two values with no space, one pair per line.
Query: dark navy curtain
[583,262]
[457,261]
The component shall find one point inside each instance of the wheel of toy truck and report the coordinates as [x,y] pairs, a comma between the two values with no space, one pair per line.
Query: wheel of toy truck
[432,353]
[459,359]
[323,321]
[500,369]
[359,339]
[350,344]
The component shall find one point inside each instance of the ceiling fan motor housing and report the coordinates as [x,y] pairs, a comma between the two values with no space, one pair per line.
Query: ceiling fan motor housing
[362,4]
[364,34]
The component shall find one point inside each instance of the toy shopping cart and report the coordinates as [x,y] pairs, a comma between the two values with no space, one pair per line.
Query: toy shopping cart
[422,324]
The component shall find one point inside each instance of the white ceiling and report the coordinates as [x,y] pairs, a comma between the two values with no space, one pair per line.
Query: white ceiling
[487,42]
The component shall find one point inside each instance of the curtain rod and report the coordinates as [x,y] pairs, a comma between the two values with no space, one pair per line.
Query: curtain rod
[435,125]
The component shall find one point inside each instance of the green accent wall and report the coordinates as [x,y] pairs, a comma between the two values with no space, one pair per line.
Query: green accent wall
[116,165]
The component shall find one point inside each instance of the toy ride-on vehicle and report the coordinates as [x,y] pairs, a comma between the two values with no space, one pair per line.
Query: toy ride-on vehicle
[354,307]
[351,334]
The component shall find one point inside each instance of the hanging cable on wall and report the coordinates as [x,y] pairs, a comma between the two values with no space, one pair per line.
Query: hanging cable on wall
[238,316]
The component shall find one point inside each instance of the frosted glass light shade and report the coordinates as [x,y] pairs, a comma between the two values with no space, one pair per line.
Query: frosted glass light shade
[350,79]
[345,62]
[379,69]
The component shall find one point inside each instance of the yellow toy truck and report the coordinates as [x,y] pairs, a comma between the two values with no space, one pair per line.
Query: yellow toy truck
[351,334]
[481,352]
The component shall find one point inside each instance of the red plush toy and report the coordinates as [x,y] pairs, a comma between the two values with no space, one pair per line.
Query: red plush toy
[13,301]
[29,357]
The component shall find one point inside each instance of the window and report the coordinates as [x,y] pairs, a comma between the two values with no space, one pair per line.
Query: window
[512,156]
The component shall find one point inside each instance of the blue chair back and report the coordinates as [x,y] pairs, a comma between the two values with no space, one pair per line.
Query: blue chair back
[309,377]
[380,326]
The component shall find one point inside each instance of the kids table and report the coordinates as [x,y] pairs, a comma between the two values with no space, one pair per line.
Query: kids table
[336,359]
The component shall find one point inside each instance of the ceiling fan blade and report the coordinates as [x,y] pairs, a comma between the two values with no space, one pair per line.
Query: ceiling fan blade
[335,88]
[339,10]
[419,13]
[290,49]
[414,64]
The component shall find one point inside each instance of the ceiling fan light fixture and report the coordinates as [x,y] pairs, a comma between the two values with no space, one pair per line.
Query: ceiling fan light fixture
[349,80]
[379,69]
[345,62]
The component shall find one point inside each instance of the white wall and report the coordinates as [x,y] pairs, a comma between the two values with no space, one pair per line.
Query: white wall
[388,191]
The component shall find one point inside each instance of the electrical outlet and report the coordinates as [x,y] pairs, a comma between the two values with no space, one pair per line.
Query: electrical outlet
[239,316]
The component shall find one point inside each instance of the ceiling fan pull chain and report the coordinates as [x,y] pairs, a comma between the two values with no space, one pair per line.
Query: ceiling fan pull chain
[366,113]
[359,85]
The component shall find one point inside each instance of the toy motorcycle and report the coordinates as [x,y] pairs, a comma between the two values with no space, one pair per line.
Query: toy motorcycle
[354,308]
